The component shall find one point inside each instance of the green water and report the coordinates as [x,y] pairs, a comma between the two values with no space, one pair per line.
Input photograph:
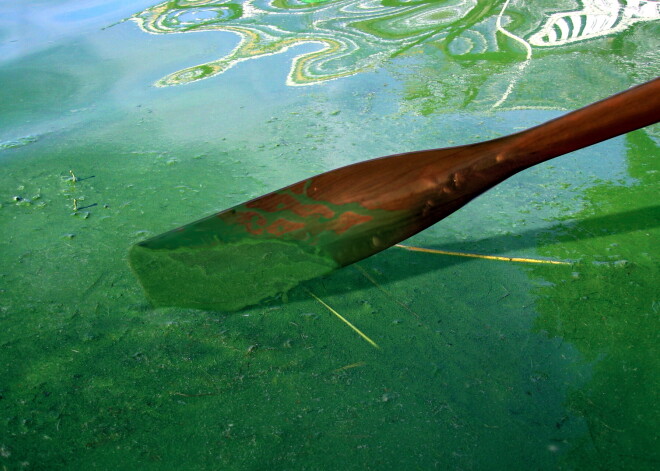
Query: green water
[483,364]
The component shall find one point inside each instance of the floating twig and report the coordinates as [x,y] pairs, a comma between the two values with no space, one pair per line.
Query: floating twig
[359,332]
[487,257]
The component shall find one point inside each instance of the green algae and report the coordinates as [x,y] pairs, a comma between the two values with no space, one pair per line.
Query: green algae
[608,309]
[226,276]
[500,38]
[93,377]
[483,366]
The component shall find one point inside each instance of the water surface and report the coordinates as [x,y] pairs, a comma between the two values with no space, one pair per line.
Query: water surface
[483,364]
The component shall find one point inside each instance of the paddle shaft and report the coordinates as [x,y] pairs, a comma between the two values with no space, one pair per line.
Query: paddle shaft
[627,111]
[420,188]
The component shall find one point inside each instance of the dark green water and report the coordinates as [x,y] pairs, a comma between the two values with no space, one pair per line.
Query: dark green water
[483,364]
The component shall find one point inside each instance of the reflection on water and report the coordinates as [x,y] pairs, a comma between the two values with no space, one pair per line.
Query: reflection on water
[352,36]
[355,35]
[525,57]
[596,18]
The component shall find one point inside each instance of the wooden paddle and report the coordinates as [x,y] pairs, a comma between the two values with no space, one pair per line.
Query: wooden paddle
[266,246]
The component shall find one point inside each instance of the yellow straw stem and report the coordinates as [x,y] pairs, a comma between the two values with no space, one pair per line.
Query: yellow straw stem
[374,344]
[487,257]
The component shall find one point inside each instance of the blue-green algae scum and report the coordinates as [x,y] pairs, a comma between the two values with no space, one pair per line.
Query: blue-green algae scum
[115,128]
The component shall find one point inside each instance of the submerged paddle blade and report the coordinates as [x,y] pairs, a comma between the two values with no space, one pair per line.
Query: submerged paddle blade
[225,276]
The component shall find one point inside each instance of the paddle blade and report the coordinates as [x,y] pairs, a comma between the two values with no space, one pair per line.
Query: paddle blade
[258,250]
[267,246]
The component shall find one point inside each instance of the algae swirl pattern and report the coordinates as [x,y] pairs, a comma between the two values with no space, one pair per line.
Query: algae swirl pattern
[357,35]
[353,35]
